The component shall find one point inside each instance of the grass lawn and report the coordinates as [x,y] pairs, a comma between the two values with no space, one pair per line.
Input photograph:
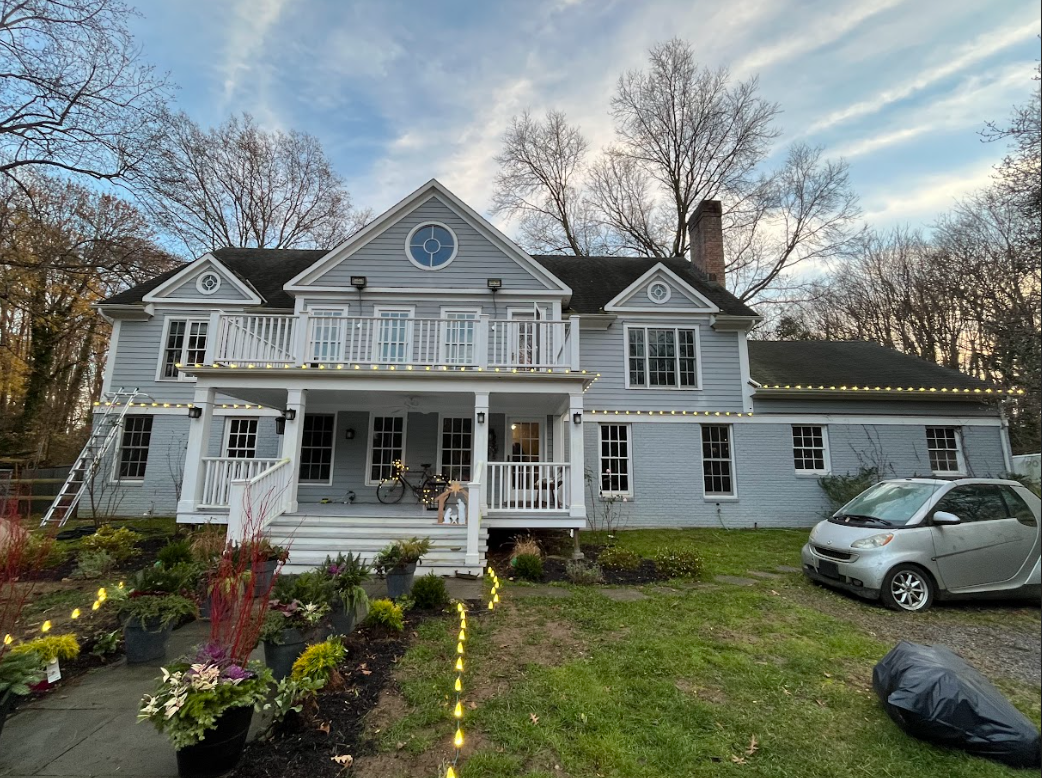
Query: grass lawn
[689,680]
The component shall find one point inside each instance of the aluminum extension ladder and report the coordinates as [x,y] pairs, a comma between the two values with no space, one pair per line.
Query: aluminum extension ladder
[105,431]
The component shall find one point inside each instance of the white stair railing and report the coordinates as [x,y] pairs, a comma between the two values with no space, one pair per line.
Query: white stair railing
[219,472]
[528,486]
[474,549]
[254,502]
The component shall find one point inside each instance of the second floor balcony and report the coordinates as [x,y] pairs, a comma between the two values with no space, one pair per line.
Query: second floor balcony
[472,341]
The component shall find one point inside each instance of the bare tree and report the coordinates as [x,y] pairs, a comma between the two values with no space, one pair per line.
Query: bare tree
[74,94]
[684,134]
[239,185]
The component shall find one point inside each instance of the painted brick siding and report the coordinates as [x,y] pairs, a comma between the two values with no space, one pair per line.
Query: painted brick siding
[667,470]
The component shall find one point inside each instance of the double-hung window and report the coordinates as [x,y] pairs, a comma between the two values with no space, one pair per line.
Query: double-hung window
[945,449]
[717,460]
[184,344]
[662,357]
[616,460]
[133,448]
[457,436]
[386,445]
[458,337]
[316,448]
[241,438]
[327,334]
[810,449]
[393,336]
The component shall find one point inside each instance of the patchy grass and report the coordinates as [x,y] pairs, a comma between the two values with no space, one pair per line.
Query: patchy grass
[711,681]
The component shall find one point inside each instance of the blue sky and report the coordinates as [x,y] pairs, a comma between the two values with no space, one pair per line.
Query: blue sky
[399,92]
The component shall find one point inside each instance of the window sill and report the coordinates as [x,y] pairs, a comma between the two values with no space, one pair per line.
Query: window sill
[948,474]
[126,482]
[666,388]
[720,498]
[812,473]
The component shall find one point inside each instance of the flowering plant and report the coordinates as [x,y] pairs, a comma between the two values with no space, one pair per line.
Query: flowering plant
[290,615]
[348,573]
[192,695]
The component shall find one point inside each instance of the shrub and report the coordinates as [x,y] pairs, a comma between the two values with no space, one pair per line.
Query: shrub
[177,552]
[615,558]
[48,551]
[400,554]
[429,592]
[164,609]
[311,587]
[117,542]
[385,613]
[526,544]
[177,579]
[320,661]
[584,573]
[841,489]
[678,563]
[529,567]
[207,544]
[50,647]
[93,564]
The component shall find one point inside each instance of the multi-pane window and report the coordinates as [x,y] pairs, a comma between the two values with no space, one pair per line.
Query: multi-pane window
[133,448]
[458,340]
[457,436]
[659,356]
[241,440]
[809,449]
[316,447]
[717,462]
[386,444]
[615,459]
[393,337]
[327,334]
[945,449]
[185,345]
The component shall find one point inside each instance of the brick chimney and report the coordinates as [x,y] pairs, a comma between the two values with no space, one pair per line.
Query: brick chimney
[705,231]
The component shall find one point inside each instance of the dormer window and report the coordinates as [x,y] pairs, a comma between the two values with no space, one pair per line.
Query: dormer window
[431,246]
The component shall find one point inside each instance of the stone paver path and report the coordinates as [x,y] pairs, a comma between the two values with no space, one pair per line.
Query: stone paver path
[761,574]
[623,595]
[737,580]
[788,569]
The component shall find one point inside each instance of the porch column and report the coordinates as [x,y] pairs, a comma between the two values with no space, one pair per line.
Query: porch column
[576,457]
[479,450]
[198,441]
[296,401]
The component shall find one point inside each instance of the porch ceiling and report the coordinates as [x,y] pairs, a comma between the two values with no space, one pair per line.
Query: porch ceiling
[416,402]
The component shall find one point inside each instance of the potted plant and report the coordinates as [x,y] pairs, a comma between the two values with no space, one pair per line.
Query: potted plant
[265,558]
[397,562]
[348,574]
[50,649]
[285,631]
[205,706]
[18,672]
[148,619]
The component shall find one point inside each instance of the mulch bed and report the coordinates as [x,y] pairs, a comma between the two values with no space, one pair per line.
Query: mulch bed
[145,557]
[554,568]
[304,746]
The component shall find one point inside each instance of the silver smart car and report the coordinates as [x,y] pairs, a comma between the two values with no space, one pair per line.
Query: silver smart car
[908,541]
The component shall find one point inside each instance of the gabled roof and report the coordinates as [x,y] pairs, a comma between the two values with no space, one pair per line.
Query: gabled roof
[595,281]
[847,363]
[623,301]
[162,292]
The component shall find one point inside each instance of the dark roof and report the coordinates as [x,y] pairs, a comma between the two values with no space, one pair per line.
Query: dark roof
[266,270]
[847,363]
[596,280]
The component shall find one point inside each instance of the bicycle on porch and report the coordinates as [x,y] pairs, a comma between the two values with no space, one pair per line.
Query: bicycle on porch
[431,485]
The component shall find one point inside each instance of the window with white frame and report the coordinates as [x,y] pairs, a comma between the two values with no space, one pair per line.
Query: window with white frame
[458,337]
[717,460]
[457,437]
[616,459]
[810,449]
[240,439]
[185,344]
[327,333]
[133,448]
[394,336]
[945,449]
[316,448]
[386,444]
[662,356]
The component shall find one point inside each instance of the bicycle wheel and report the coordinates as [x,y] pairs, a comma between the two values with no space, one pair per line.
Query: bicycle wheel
[390,490]
[432,489]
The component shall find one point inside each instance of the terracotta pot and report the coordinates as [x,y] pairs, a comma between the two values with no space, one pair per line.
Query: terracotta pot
[220,750]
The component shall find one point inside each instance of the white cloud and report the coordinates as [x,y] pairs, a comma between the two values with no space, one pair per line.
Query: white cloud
[933,195]
[249,25]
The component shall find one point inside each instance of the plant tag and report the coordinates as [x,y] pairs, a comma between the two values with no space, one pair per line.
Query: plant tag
[54,673]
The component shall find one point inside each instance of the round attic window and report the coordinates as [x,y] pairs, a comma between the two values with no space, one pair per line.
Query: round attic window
[208,283]
[659,292]
[431,246]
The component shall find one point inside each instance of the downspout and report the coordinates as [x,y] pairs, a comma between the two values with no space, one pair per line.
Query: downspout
[1007,449]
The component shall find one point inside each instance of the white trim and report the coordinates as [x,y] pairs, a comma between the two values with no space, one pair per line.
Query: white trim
[199,282]
[702,304]
[540,420]
[697,328]
[410,202]
[444,313]
[156,295]
[422,225]
[369,442]
[699,417]
[440,464]
[825,453]
[719,496]
[114,477]
[658,282]
[110,357]
[960,458]
[332,452]
[410,310]
[743,371]
[600,457]
[226,434]
[189,321]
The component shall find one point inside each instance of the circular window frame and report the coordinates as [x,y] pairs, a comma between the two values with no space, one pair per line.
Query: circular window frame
[420,226]
[202,289]
[664,285]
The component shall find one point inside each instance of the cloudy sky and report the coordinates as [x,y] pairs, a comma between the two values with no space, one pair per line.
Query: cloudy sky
[401,91]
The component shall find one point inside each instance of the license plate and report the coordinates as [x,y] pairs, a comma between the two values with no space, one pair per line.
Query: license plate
[828,569]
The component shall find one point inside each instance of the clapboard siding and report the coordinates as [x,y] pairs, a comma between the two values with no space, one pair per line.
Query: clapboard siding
[187,290]
[383,261]
[678,300]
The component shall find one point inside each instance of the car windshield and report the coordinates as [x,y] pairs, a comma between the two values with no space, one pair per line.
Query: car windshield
[889,503]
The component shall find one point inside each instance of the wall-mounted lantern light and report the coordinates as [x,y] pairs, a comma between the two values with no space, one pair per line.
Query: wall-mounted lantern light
[280,425]
[195,413]
[481,417]
[577,417]
[349,434]
[290,414]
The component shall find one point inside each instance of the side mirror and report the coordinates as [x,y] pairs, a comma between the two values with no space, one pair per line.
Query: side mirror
[943,518]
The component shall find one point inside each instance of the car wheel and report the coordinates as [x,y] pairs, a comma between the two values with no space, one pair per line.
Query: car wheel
[907,588]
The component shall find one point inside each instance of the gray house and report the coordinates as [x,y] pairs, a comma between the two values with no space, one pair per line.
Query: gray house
[279,388]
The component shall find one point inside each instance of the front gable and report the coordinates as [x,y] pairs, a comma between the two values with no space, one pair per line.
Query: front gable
[381,253]
[660,290]
[205,281]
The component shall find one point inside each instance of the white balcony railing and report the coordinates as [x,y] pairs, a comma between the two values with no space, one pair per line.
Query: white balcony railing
[219,472]
[521,344]
[528,486]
